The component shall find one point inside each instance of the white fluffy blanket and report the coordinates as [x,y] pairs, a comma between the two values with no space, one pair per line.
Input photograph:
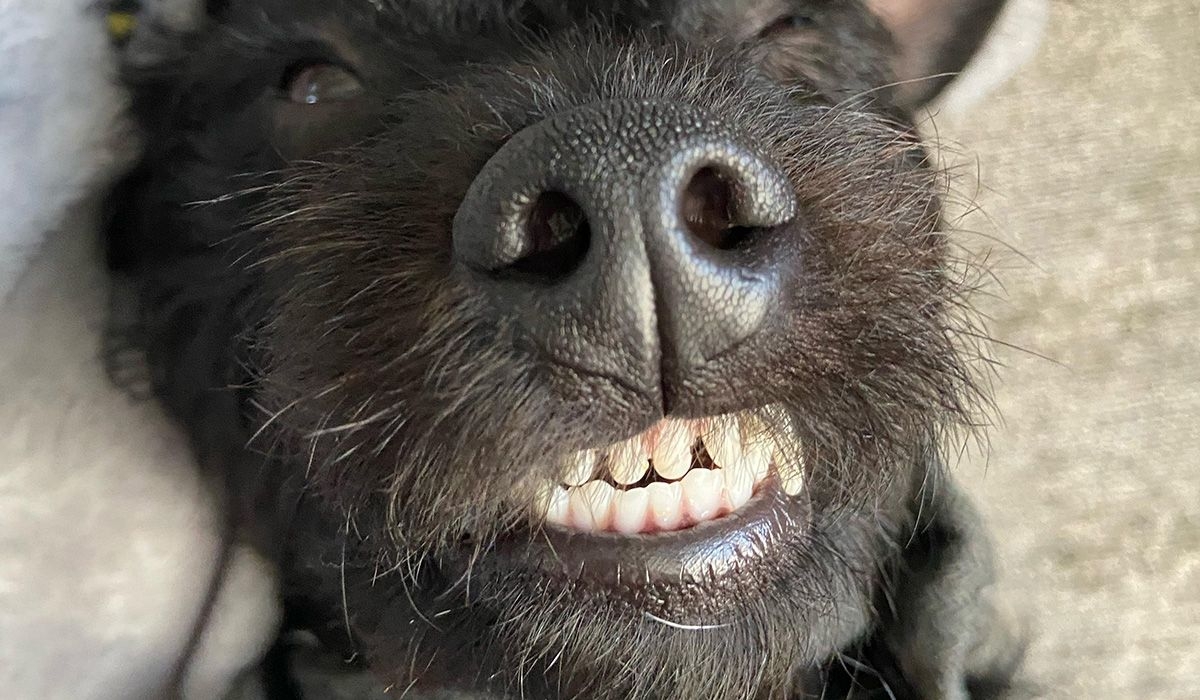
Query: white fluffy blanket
[107,538]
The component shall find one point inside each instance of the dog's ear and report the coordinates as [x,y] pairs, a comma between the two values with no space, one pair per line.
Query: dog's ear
[934,41]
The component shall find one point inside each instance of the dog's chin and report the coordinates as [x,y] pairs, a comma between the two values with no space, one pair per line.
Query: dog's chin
[744,604]
[708,573]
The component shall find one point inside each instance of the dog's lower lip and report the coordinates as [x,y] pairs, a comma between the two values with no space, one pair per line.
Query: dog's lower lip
[703,554]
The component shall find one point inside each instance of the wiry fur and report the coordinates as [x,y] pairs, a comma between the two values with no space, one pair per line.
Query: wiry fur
[310,307]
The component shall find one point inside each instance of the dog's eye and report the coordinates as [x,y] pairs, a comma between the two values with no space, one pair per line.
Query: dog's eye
[314,83]
[785,24]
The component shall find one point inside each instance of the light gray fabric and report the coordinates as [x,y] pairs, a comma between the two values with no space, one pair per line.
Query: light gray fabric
[58,107]
[1090,165]
[107,538]
[947,628]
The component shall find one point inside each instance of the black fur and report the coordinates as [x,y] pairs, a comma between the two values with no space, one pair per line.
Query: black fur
[374,418]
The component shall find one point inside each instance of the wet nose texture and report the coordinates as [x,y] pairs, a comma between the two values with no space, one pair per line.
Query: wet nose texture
[629,240]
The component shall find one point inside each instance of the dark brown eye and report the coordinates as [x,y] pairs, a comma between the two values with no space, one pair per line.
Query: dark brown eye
[314,83]
[787,23]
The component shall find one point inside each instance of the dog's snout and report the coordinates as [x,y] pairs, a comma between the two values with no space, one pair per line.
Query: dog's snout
[627,237]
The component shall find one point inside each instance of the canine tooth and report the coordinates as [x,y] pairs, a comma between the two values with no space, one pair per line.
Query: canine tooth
[583,468]
[631,511]
[673,452]
[724,443]
[589,506]
[628,462]
[666,505]
[792,479]
[790,465]
[757,461]
[702,494]
[739,486]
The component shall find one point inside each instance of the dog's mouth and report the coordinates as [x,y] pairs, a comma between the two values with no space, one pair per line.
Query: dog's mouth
[676,475]
[685,507]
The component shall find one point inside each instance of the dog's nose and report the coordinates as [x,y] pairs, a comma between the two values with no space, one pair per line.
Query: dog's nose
[627,238]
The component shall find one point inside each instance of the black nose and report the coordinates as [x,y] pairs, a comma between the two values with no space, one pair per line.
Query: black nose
[627,238]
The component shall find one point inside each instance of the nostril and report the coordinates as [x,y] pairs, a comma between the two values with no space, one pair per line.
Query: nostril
[554,219]
[558,237]
[709,208]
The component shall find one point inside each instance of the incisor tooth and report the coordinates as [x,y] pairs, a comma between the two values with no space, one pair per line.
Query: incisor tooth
[673,452]
[590,505]
[628,462]
[702,494]
[739,486]
[724,443]
[582,468]
[666,505]
[631,511]
[556,505]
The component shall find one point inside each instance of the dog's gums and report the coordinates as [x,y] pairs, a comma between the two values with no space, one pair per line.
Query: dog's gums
[572,350]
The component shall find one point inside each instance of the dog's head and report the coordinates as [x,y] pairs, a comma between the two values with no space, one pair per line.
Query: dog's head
[617,338]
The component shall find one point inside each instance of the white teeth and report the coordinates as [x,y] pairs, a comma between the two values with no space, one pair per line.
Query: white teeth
[742,453]
[631,511]
[666,505]
[723,443]
[739,486]
[673,452]
[583,468]
[790,467]
[702,494]
[556,505]
[756,459]
[589,506]
[628,462]
[792,479]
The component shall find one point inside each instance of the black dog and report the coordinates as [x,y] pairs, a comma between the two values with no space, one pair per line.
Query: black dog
[576,349]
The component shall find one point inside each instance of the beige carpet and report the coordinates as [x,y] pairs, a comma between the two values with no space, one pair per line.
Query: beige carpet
[1089,161]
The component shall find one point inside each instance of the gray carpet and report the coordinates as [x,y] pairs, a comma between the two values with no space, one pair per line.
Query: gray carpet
[1090,166]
